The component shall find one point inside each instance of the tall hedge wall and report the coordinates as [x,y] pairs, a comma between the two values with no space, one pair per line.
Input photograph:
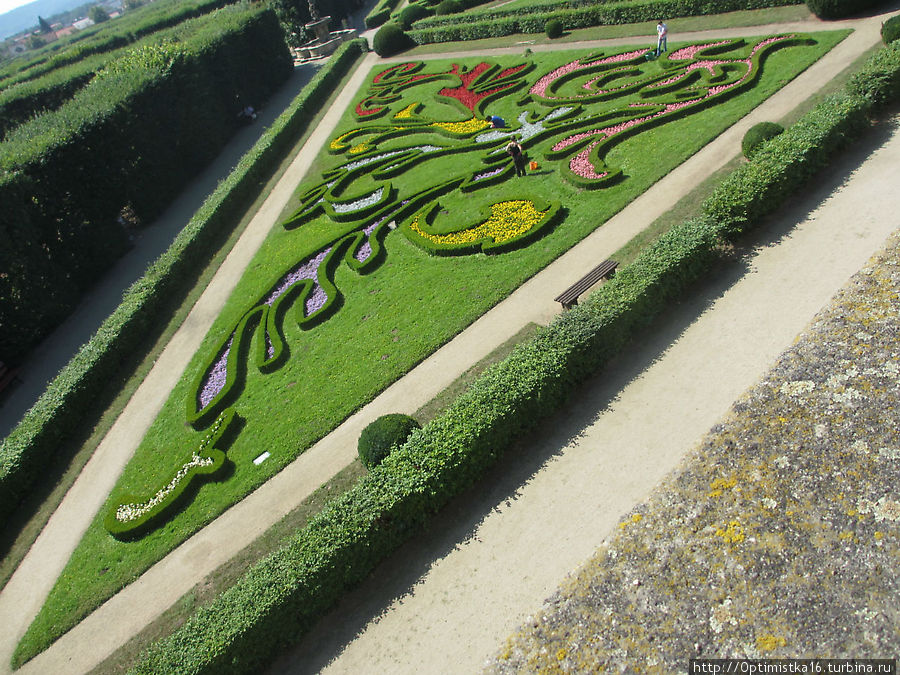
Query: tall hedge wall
[133,137]
[52,81]
[282,595]
[572,15]
[838,9]
[29,449]
[106,37]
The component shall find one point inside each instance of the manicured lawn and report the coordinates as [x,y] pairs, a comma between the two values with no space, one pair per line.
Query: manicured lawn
[391,318]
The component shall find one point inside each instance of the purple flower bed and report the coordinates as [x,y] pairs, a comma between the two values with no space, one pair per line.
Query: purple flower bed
[364,251]
[215,378]
[307,270]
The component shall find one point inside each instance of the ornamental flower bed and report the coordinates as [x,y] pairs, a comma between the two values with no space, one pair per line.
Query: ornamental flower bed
[580,108]
[508,223]
[583,134]
[131,518]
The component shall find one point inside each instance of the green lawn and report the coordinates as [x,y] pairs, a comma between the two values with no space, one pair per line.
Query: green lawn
[390,320]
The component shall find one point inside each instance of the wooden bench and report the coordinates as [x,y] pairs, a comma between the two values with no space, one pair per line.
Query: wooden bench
[7,375]
[569,297]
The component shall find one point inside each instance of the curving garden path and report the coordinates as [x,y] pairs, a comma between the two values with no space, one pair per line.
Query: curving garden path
[475,594]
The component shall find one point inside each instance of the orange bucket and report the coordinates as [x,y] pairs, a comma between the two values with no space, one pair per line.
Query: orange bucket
[533,166]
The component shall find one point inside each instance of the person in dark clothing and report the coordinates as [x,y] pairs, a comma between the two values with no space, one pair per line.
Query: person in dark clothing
[496,121]
[514,150]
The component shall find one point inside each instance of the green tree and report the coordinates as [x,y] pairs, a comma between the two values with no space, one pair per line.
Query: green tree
[98,14]
[44,26]
[34,42]
[129,5]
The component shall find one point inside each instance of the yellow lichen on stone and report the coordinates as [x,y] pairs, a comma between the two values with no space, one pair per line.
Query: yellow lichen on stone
[719,485]
[769,643]
[732,534]
[561,654]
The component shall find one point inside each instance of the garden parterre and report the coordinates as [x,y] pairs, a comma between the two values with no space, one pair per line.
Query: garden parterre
[419,319]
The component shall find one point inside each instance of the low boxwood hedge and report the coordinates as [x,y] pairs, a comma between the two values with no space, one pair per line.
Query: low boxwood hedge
[282,595]
[30,447]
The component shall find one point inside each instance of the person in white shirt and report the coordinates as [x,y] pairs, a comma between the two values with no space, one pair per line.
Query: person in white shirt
[662,30]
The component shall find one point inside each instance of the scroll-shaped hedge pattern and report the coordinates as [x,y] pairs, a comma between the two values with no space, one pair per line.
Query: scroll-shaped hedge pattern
[571,115]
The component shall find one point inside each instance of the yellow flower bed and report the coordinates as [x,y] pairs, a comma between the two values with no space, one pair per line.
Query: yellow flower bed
[467,127]
[407,112]
[508,220]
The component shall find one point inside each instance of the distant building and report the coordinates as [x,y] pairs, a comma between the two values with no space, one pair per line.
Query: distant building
[81,24]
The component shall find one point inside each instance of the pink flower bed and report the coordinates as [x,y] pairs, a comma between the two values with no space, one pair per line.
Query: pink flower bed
[690,51]
[540,87]
[581,165]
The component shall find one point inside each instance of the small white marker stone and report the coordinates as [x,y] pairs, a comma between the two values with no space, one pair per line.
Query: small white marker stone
[262,458]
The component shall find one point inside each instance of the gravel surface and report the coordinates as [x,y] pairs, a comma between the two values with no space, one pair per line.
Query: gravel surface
[777,537]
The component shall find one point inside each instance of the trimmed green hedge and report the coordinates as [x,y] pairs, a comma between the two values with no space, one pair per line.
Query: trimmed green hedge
[26,452]
[838,9]
[54,81]
[534,18]
[282,595]
[390,39]
[890,29]
[106,37]
[156,117]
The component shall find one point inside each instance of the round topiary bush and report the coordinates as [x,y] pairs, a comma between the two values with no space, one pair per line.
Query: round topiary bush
[757,134]
[890,29]
[553,28]
[411,14]
[448,7]
[385,433]
[390,39]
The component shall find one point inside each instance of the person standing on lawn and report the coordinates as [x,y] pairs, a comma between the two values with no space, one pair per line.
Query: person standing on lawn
[514,150]
[662,32]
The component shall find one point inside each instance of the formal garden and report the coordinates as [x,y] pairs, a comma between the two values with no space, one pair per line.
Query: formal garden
[415,226]
[410,226]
